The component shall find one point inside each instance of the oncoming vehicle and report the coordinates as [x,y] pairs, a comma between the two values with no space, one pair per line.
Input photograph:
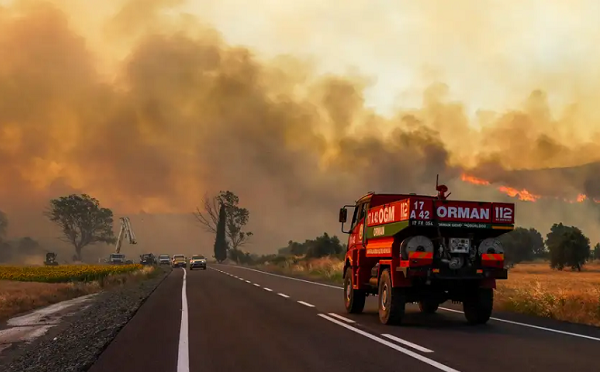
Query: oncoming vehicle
[198,261]
[408,248]
[179,261]
[147,259]
[116,259]
[164,259]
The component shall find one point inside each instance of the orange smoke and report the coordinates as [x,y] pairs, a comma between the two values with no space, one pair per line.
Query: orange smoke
[522,194]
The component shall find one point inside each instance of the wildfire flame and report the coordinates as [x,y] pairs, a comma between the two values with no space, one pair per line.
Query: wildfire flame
[523,194]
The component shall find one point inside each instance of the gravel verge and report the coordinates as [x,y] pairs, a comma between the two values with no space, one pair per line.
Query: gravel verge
[76,347]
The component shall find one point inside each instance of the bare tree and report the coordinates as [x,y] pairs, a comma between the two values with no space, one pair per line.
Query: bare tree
[209,219]
[237,217]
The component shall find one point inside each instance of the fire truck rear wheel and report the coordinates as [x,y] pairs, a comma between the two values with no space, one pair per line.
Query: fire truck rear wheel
[478,306]
[428,307]
[392,301]
[354,299]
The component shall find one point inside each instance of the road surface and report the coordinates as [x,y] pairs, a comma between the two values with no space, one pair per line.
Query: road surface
[231,318]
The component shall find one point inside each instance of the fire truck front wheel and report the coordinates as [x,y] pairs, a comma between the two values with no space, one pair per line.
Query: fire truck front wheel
[354,299]
[478,306]
[392,301]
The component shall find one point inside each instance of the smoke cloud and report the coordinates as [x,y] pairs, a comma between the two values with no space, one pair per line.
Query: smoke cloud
[147,109]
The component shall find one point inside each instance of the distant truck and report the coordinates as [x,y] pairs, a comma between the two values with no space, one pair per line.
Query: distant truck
[117,259]
[408,248]
[147,259]
[50,259]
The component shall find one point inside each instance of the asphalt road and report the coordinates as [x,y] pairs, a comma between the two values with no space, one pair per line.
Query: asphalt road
[232,318]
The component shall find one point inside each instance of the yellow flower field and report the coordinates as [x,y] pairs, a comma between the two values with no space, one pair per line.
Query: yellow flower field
[63,273]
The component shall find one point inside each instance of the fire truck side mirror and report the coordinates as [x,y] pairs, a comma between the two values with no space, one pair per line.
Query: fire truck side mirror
[343,215]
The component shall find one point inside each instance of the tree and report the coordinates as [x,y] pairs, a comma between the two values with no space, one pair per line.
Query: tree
[3,225]
[221,239]
[596,253]
[82,220]
[568,247]
[27,246]
[523,245]
[237,217]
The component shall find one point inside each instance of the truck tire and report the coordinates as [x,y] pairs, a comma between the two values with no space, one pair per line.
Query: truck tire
[428,307]
[392,301]
[478,306]
[354,299]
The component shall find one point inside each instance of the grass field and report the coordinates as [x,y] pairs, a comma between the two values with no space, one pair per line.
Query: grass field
[532,288]
[27,288]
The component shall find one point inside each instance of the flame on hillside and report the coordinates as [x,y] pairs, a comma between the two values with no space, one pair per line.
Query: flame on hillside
[523,194]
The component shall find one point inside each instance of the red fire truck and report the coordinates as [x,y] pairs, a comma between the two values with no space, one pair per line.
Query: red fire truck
[408,248]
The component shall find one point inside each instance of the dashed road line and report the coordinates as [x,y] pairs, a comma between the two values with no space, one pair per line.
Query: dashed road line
[283,295]
[408,343]
[389,344]
[341,318]
[249,282]
[256,285]
[441,308]
[306,304]
[268,289]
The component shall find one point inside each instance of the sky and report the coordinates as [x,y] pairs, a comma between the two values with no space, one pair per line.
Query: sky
[298,107]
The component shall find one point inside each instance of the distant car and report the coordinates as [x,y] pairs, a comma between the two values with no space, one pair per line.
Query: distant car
[164,259]
[179,261]
[198,261]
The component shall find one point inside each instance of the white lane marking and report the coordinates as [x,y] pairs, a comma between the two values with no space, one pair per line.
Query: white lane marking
[256,285]
[283,295]
[183,358]
[287,277]
[410,353]
[249,282]
[532,326]
[241,279]
[306,304]
[342,318]
[408,343]
[441,308]
[268,289]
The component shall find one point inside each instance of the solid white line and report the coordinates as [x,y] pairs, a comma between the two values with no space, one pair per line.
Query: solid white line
[268,289]
[183,357]
[410,353]
[306,304]
[283,295]
[532,326]
[441,308]
[342,318]
[256,285]
[408,343]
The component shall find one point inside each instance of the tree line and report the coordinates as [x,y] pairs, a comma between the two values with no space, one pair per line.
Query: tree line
[83,222]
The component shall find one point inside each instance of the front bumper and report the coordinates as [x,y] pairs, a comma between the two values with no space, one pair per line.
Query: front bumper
[179,264]
[165,262]
[195,265]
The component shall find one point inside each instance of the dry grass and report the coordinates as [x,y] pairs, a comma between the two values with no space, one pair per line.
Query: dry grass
[19,297]
[532,289]
[535,289]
